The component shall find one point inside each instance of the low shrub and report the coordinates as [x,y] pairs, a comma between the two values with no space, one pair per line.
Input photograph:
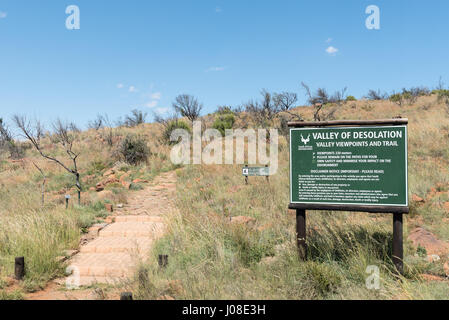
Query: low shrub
[350,98]
[223,122]
[133,150]
[172,126]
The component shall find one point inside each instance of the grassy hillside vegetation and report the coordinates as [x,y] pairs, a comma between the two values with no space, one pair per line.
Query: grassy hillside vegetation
[213,258]
[41,233]
[211,255]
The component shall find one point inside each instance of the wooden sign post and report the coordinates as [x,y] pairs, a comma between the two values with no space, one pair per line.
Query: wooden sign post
[350,166]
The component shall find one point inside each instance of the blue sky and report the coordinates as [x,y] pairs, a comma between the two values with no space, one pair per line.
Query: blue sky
[141,54]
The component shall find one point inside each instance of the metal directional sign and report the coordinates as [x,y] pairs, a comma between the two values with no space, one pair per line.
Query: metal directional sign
[256,171]
[364,166]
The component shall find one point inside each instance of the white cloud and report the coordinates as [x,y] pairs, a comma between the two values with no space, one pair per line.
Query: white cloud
[156,96]
[331,50]
[162,110]
[3,15]
[152,104]
[120,86]
[132,89]
[215,69]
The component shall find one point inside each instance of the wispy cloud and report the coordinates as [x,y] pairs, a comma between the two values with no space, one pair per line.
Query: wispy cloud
[156,96]
[216,69]
[132,89]
[331,50]
[152,104]
[162,110]
[3,15]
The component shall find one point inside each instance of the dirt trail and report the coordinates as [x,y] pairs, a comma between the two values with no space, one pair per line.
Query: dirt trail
[111,258]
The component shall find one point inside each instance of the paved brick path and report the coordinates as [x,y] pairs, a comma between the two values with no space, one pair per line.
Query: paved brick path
[113,256]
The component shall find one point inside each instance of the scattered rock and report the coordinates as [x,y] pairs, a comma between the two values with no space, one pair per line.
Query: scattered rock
[243,220]
[111,179]
[109,207]
[109,172]
[140,181]
[99,187]
[126,184]
[425,239]
[433,258]
[120,206]
[417,199]
[124,176]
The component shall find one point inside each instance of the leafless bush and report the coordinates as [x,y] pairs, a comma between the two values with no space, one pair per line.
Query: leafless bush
[63,135]
[97,123]
[136,118]
[286,101]
[263,111]
[188,106]
[376,95]
[107,130]
[321,98]
[8,143]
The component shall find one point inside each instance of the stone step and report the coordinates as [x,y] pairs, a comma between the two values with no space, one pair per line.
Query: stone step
[118,244]
[88,281]
[103,264]
[139,219]
[133,229]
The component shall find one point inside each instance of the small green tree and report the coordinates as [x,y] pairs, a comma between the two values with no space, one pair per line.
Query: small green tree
[397,98]
[224,122]
[350,98]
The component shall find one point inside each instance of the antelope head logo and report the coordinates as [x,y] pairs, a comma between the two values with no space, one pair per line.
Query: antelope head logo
[305,141]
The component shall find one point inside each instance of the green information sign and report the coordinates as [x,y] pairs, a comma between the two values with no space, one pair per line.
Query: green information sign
[364,166]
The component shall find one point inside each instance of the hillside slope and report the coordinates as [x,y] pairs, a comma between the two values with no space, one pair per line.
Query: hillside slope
[211,258]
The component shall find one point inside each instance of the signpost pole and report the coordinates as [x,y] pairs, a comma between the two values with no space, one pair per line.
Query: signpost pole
[246,177]
[398,247]
[301,233]
[268,176]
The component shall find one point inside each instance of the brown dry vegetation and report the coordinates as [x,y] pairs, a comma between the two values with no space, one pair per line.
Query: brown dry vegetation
[211,258]
[42,233]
